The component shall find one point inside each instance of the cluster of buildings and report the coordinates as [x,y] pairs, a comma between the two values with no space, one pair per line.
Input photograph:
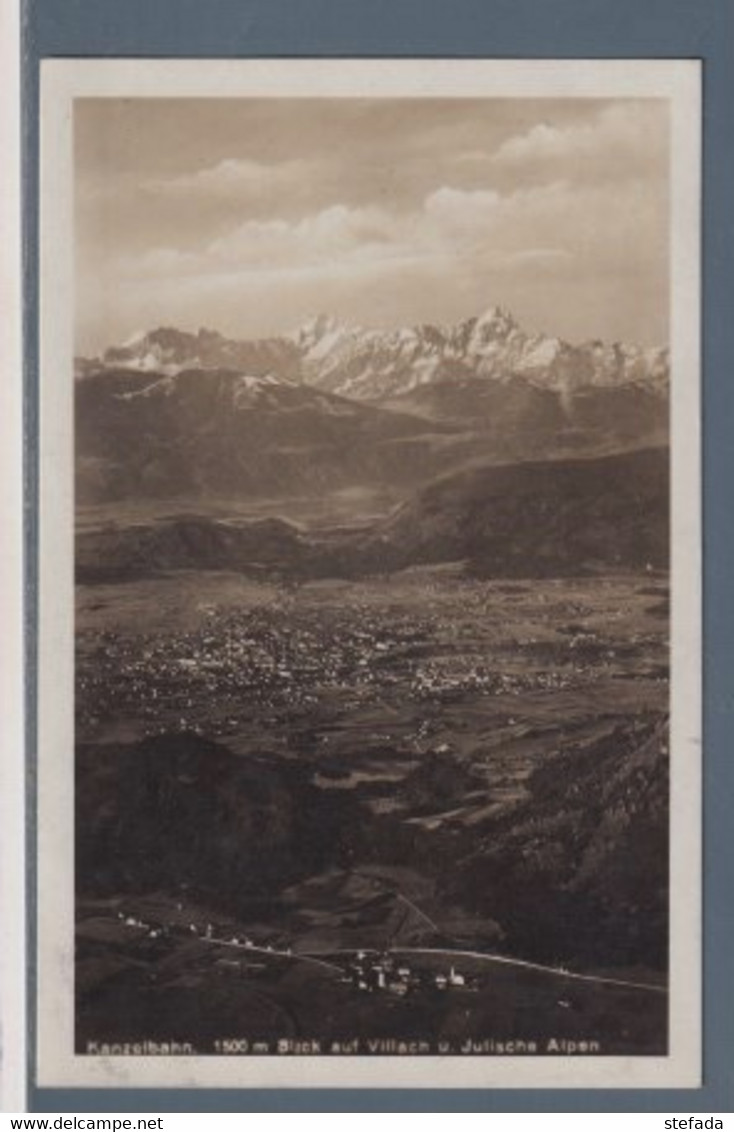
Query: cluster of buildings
[369,972]
[265,656]
[290,653]
[373,973]
[210,932]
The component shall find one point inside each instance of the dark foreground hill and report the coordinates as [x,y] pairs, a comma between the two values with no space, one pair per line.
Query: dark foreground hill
[182,810]
[554,516]
[581,866]
[575,872]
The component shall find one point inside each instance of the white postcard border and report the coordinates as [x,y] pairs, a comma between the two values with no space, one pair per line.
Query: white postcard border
[62,82]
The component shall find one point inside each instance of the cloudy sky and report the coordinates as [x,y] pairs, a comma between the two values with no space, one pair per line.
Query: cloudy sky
[250,215]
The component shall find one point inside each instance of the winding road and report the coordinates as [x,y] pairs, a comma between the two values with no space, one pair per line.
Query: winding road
[491,958]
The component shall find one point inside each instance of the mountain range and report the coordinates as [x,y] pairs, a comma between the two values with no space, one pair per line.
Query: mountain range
[172,413]
[222,433]
[373,364]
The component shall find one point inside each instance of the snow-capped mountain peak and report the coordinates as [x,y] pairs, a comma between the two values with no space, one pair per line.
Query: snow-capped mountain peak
[368,364]
[495,322]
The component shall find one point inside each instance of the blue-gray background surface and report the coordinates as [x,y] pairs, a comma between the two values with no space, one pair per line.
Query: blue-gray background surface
[702,29]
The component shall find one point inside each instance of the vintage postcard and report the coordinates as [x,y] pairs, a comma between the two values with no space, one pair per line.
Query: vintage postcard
[369,740]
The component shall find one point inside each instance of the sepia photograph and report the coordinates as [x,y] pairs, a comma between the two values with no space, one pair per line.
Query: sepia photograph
[369,735]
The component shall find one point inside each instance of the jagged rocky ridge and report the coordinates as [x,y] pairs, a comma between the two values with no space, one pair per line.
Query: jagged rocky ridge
[372,364]
[168,351]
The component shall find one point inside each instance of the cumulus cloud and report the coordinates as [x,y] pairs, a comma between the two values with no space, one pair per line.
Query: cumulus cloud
[230,178]
[461,213]
[557,220]
[539,226]
[622,139]
[381,210]
[156,262]
[336,232]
